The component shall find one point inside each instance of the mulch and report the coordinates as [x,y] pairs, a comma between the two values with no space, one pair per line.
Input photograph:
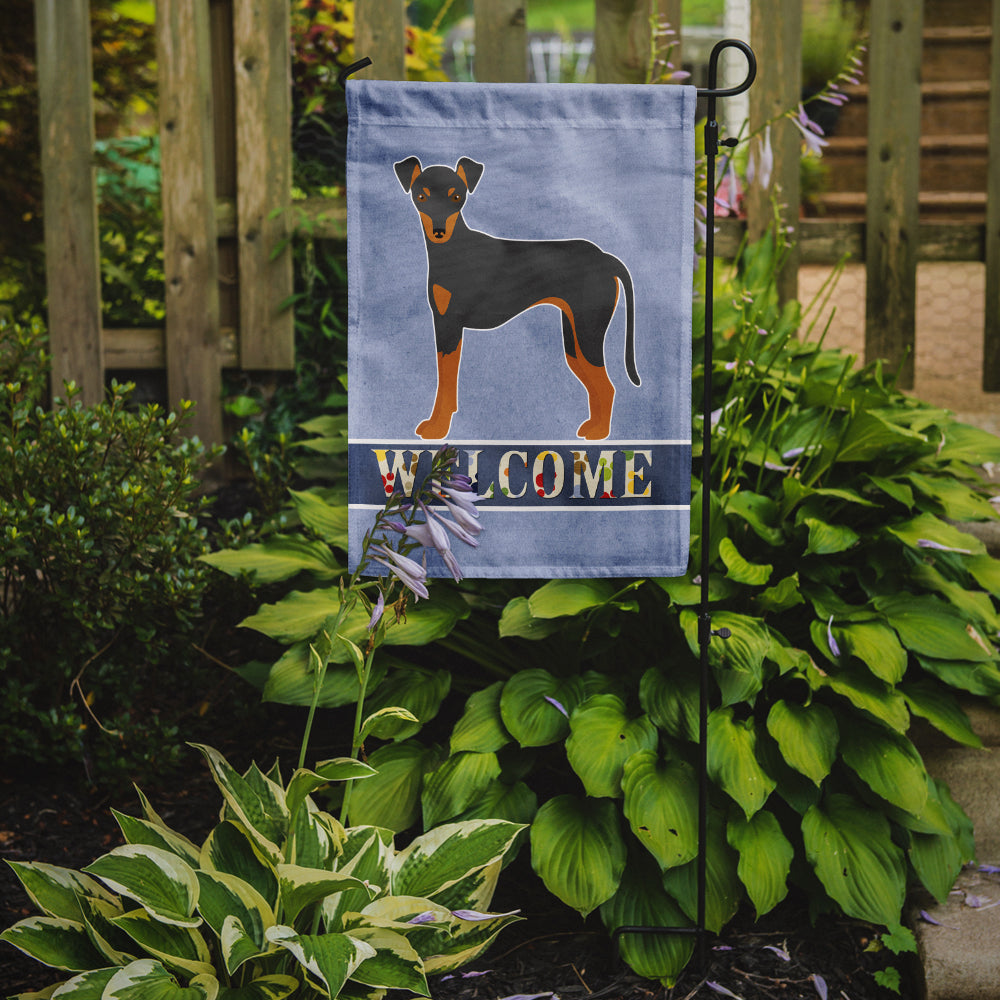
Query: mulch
[552,952]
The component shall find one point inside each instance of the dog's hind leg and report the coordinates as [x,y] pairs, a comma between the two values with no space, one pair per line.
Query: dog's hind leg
[600,391]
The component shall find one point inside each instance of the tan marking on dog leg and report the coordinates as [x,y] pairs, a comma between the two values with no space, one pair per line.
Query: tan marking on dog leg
[436,425]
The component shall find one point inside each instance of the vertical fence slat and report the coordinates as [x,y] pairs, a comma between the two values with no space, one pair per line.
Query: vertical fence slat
[892,215]
[621,40]
[776,35]
[72,257]
[380,34]
[261,57]
[190,253]
[501,38]
[991,333]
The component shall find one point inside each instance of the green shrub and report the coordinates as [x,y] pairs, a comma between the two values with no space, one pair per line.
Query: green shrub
[99,540]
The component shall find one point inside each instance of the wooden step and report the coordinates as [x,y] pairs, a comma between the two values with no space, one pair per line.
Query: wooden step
[956,53]
[957,206]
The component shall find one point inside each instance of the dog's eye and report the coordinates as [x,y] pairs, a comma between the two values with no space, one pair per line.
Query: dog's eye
[421,197]
[456,197]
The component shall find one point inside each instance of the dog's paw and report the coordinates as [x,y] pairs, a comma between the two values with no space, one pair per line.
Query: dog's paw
[433,429]
[594,430]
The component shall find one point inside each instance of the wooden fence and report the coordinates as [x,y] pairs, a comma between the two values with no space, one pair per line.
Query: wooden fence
[226,161]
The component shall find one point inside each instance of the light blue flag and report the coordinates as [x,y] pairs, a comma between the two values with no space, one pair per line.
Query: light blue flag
[520,261]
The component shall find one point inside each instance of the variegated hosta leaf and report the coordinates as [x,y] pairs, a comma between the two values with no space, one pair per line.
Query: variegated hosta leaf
[888,763]
[765,858]
[256,801]
[456,784]
[476,890]
[141,831]
[807,736]
[732,760]
[642,902]
[315,838]
[602,737]
[54,941]
[367,853]
[158,880]
[723,889]
[225,897]
[481,727]
[147,979]
[468,939]
[850,847]
[441,857]
[661,799]
[304,782]
[329,959]
[300,887]
[578,851]
[535,706]
[56,891]
[274,987]
[98,915]
[230,849]
[391,799]
[177,947]
[395,964]
[86,986]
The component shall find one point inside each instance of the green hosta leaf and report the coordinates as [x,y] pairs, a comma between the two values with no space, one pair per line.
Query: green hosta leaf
[602,738]
[661,798]
[578,851]
[765,858]
[275,987]
[976,605]
[738,661]
[876,646]
[893,488]
[641,901]
[783,595]
[230,849]
[986,571]
[330,959]
[941,709]
[558,598]
[386,723]
[758,511]
[807,736]
[395,964]
[976,678]
[888,763]
[418,690]
[279,558]
[456,784]
[865,692]
[515,803]
[517,620]
[528,710]
[54,941]
[225,897]
[180,948]
[56,891]
[671,699]
[732,760]
[957,501]
[850,847]
[159,881]
[261,809]
[391,798]
[965,443]
[739,569]
[870,435]
[304,782]
[931,628]
[141,831]
[481,728]
[828,539]
[327,520]
[147,979]
[723,889]
[937,859]
[291,680]
[928,528]
[684,592]
[301,887]
[438,859]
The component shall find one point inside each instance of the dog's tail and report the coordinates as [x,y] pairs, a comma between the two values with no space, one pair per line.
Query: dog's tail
[623,276]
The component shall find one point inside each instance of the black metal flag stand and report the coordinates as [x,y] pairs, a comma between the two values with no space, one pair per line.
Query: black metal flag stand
[705,631]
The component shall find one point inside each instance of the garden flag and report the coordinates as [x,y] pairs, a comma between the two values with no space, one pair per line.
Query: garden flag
[520,262]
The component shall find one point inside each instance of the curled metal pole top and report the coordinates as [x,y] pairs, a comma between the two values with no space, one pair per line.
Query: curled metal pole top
[353,68]
[713,90]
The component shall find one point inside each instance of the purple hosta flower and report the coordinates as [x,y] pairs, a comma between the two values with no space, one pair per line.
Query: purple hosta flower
[927,918]
[465,975]
[464,520]
[377,611]
[531,996]
[760,166]
[928,543]
[780,952]
[990,869]
[719,988]
[463,498]
[439,540]
[811,132]
[427,917]
[559,705]
[410,573]
[834,648]
[820,983]
[458,526]
[475,915]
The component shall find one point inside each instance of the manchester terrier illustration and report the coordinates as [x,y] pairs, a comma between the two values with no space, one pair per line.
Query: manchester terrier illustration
[477,281]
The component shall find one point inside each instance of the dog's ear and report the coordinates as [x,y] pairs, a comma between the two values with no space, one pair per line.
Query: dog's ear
[469,171]
[408,171]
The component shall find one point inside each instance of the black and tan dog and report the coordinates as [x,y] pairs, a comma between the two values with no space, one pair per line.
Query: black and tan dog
[477,281]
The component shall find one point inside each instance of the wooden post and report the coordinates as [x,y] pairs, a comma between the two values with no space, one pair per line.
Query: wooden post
[190,254]
[380,34]
[776,35]
[893,183]
[501,36]
[623,38]
[991,333]
[262,60]
[72,256]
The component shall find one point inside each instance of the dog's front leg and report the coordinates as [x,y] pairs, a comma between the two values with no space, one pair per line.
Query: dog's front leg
[449,356]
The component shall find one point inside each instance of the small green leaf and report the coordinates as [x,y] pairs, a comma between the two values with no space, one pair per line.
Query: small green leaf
[807,736]
[765,858]
[828,539]
[517,620]
[739,569]
[481,727]
[559,598]
[732,760]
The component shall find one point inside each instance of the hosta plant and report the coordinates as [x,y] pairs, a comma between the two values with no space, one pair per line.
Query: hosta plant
[279,900]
